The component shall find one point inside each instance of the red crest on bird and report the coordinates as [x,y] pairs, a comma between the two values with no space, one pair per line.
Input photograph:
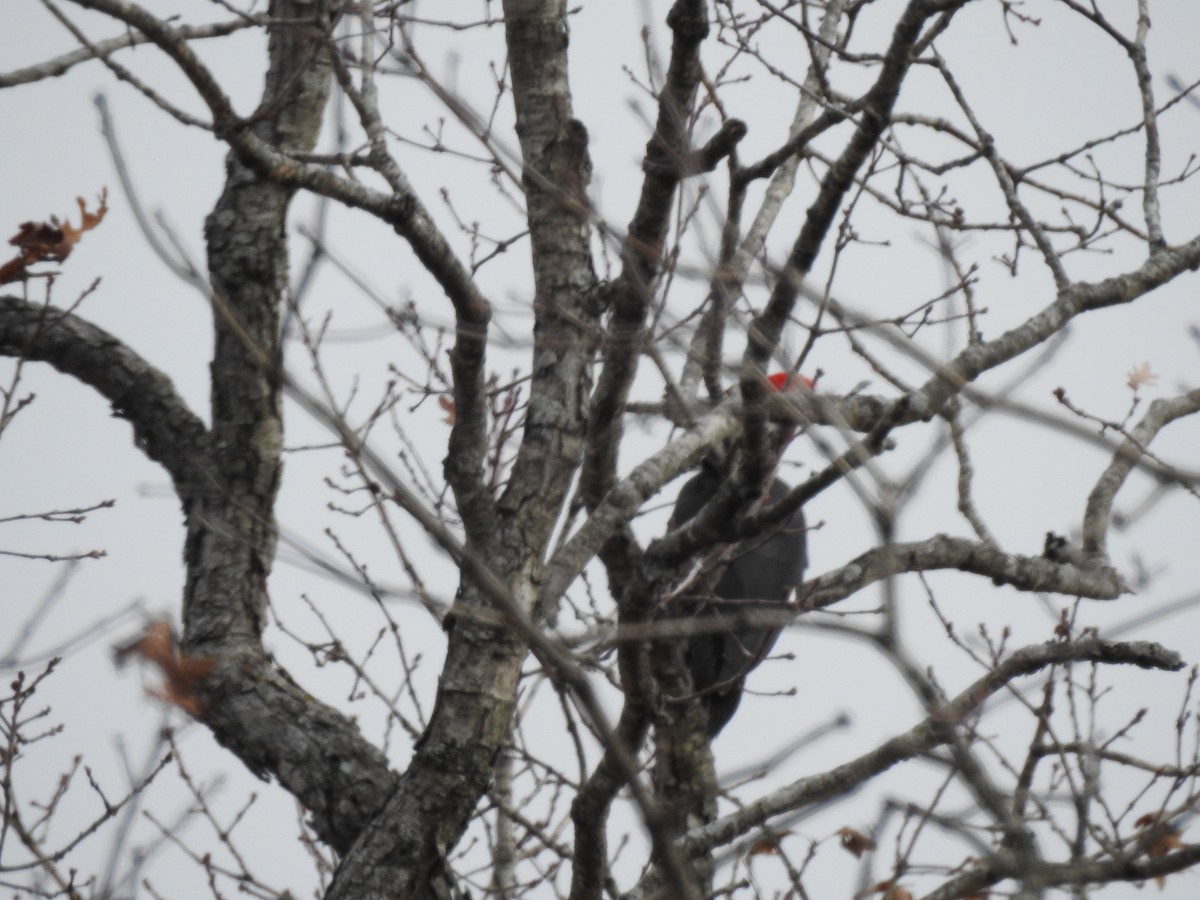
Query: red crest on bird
[783,380]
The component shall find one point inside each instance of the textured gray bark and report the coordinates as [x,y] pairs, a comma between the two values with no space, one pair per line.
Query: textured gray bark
[402,853]
[253,707]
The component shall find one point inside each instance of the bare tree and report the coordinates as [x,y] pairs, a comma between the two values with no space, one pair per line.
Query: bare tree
[788,144]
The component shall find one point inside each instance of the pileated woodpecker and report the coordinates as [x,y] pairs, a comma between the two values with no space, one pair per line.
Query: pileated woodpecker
[761,573]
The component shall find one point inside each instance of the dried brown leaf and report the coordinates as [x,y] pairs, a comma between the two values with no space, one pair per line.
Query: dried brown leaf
[1140,375]
[855,842]
[889,890]
[181,672]
[1158,838]
[50,241]
[767,845]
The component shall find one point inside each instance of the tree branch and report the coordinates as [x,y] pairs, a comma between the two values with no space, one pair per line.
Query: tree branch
[930,733]
[1096,517]
[1026,573]
[164,428]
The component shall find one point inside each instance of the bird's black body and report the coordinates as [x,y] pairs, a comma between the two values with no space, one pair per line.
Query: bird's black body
[761,574]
